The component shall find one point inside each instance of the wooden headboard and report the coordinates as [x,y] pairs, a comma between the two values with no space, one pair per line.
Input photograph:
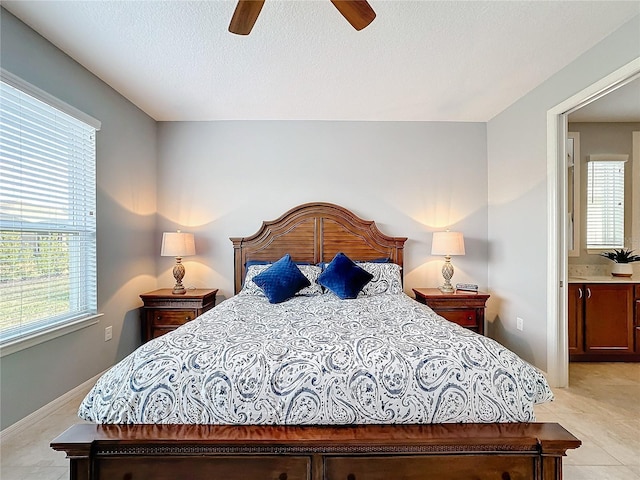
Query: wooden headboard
[314,233]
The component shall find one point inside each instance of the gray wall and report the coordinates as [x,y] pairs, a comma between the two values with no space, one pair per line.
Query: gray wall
[410,177]
[517,166]
[126,176]
[596,137]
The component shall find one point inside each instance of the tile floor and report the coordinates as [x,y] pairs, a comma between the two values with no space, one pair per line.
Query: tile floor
[27,456]
[601,407]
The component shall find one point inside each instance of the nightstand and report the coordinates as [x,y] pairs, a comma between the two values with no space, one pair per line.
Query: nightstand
[464,308]
[163,311]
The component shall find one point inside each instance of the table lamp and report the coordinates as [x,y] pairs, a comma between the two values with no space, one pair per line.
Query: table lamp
[178,244]
[447,244]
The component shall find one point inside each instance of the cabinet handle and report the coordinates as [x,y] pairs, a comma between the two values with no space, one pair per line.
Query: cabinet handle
[588,292]
[579,293]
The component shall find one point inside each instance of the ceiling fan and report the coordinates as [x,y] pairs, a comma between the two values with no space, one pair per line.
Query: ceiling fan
[357,12]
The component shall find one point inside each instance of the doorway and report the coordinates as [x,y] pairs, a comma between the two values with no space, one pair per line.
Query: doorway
[557,267]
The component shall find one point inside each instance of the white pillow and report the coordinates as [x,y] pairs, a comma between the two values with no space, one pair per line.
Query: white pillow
[386,279]
[310,271]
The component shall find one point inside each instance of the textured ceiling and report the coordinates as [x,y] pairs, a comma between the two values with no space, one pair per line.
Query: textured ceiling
[420,60]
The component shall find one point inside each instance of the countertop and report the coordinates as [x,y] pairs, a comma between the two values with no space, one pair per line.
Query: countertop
[604,279]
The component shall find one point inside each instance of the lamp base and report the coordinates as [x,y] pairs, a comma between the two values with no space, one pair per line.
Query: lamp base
[447,273]
[447,289]
[178,274]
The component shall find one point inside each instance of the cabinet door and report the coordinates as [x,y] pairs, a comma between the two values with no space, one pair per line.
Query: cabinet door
[575,315]
[608,318]
[637,327]
[637,324]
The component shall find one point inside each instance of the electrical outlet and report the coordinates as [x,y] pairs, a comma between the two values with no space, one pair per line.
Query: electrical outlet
[519,323]
[108,333]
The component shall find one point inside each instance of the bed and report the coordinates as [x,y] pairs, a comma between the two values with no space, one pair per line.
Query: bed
[315,386]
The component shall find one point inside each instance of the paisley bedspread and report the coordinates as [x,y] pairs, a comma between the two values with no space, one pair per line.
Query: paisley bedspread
[318,360]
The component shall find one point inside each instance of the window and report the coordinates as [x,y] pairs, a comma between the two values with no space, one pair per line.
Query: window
[605,201]
[47,214]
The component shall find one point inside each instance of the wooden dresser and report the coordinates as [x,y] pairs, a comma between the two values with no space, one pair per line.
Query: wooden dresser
[464,308]
[164,311]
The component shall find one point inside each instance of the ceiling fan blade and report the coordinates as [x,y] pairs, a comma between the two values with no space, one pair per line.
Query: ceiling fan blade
[357,12]
[245,16]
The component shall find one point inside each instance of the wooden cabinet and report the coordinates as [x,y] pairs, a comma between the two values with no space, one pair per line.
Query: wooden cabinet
[464,308]
[636,328]
[163,311]
[576,319]
[603,322]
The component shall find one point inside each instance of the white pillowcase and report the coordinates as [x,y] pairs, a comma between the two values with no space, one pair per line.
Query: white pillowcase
[310,271]
[386,279]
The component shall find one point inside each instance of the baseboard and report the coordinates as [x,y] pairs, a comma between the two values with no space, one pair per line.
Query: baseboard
[47,409]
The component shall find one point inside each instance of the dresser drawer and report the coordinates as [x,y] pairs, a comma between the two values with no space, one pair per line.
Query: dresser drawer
[171,317]
[209,468]
[466,318]
[441,467]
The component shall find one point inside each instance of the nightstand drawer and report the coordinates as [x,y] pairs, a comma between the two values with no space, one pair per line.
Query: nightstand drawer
[162,318]
[465,318]
[464,308]
[163,311]
[158,332]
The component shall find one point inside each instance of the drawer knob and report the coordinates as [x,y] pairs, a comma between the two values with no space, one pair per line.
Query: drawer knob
[351,476]
[187,318]
[506,476]
[283,476]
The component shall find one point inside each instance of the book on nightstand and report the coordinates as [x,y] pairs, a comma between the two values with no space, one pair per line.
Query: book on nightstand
[467,287]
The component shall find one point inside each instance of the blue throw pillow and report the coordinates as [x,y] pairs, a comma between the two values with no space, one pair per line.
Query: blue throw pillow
[281,280]
[343,277]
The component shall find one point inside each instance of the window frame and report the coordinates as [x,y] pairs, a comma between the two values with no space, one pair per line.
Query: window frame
[596,249]
[56,328]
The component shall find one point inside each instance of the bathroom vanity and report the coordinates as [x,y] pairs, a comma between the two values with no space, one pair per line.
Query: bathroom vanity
[604,319]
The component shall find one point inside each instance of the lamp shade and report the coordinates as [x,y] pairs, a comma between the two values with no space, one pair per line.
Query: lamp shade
[447,243]
[177,244]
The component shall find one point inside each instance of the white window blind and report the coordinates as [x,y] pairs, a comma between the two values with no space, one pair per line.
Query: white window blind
[47,216]
[605,202]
